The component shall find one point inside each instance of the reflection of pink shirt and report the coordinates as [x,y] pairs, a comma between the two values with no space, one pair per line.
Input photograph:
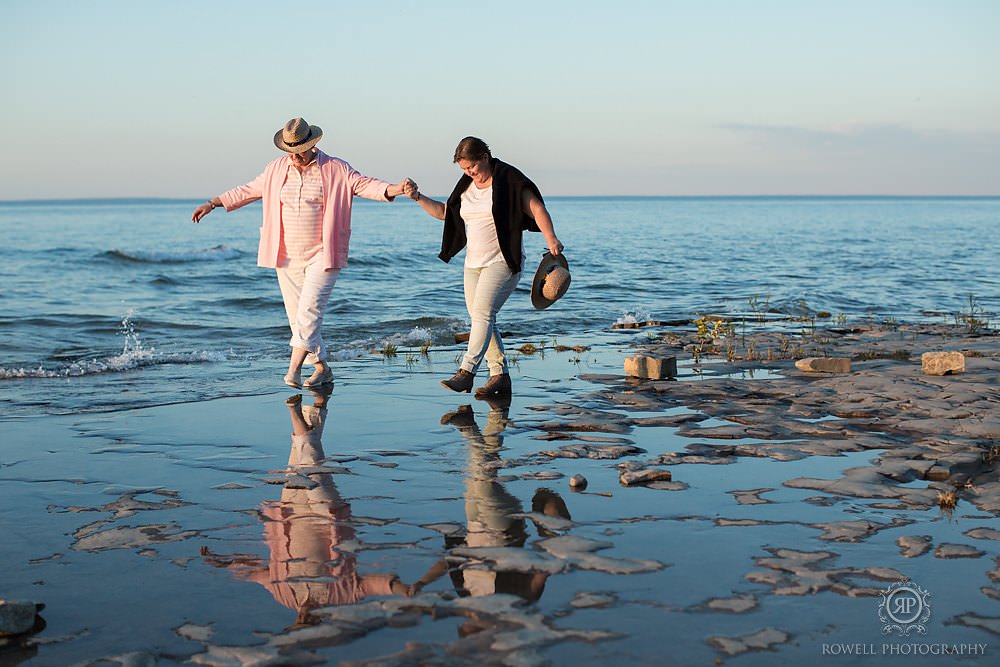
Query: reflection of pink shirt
[306,570]
[341,183]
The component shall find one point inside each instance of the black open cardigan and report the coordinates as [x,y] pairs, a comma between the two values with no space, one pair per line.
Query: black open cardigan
[509,217]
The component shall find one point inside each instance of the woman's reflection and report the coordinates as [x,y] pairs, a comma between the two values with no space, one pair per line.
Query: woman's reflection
[490,511]
[302,530]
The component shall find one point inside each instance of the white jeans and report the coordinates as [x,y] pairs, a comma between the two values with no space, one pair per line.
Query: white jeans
[486,290]
[305,289]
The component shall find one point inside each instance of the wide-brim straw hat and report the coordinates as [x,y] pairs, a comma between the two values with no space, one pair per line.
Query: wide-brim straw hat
[297,136]
[551,280]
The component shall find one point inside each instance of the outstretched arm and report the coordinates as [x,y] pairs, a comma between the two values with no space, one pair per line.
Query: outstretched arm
[434,208]
[404,187]
[534,207]
[205,209]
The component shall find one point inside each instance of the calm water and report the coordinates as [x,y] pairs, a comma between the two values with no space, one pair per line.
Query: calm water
[144,431]
[94,290]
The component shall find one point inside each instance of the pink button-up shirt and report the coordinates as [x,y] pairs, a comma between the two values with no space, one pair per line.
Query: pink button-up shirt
[341,183]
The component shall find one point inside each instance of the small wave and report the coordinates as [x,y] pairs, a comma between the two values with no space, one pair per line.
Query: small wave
[417,336]
[122,362]
[387,260]
[217,253]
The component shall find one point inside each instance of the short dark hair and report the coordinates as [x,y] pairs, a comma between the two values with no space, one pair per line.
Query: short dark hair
[473,149]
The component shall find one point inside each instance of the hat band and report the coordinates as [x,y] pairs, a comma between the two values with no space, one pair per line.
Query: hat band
[299,143]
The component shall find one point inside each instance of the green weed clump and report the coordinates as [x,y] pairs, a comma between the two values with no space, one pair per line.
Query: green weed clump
[758,307]
[972,317]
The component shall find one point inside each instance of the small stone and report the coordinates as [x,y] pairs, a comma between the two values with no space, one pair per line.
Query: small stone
[17,616]
[653,368]
[578,482]
[824,364]
[942,363]
[634,477]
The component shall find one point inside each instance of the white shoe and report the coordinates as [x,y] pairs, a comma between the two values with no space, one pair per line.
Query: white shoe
[293,381]
[319,378]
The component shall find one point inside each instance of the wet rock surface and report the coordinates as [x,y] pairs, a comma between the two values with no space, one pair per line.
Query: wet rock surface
[464,541]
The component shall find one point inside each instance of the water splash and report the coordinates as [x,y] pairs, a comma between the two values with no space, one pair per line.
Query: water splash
[133,355]
[633,316]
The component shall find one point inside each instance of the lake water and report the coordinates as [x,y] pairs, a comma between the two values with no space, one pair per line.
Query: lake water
[144,438]
[93,290]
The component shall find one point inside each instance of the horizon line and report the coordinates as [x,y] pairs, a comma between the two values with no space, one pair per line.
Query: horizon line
[137,199]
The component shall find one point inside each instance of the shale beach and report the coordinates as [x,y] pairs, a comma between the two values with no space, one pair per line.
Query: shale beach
[168,502]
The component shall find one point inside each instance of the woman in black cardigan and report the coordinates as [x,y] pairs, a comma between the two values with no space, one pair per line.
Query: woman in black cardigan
[487,213]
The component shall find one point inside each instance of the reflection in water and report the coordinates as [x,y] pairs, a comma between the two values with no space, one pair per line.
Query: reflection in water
[302,530]
[491,513]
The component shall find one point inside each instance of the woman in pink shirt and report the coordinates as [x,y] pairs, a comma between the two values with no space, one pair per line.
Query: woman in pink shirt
[307,198]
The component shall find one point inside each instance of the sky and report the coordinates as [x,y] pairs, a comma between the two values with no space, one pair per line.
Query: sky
[182,98]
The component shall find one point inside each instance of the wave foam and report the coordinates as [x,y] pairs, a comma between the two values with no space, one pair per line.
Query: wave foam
[121,362]
[133,355]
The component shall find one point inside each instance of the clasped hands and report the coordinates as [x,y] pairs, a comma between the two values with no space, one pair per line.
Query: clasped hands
[410,189]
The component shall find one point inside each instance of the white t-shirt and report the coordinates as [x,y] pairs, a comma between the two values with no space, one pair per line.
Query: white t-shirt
[482,247]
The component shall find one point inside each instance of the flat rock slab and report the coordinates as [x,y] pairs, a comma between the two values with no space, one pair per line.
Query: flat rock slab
[983,534]
[763,640]
[634,477]
[912,546]
[739,604]
[751,497]
[586,451]
[942,363]
[957,551]
[824,364]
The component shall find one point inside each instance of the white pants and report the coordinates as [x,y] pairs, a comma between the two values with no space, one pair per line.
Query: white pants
[486,290]
[305,289]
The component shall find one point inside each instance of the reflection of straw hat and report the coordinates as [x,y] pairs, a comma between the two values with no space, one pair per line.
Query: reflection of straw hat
[297,136]
[551,280]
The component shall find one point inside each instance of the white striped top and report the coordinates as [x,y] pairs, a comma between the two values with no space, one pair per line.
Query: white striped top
[301,215]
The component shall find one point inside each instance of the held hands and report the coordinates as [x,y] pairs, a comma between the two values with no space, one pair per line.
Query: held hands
[410,189]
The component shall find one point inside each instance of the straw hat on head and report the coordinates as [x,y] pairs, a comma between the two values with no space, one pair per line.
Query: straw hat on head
[297,136]
[551,280]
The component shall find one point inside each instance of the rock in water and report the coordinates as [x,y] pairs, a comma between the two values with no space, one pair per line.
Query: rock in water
[17,616]
[824,364]
[653,368]
[578,482]
[942,363]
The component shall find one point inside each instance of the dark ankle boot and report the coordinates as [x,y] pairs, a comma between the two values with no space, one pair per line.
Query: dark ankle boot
[460,381]
[497,385]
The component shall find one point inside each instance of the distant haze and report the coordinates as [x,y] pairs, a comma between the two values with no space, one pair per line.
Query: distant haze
[182,98]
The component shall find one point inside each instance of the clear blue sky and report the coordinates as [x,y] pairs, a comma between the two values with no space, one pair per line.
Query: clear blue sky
[181,98]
